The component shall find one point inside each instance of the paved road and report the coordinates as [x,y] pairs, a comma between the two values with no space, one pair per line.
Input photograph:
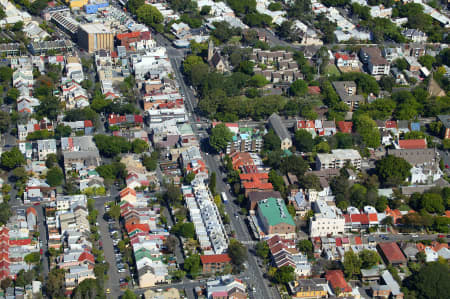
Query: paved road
[237,223]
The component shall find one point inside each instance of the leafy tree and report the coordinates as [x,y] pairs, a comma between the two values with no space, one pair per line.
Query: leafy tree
[381,204]
[89,288]
[427,61]
[298,88]
[352,265]
[344,140]
[139,146]
[55,176]
[220,136]
[12,159]
[257,20]
[172,194]
[12,95]
[19,174]
[6,74]
[303,141]
[431,281]
[271,141]
[392,170]
[401,64]
[262,250]
[110,146]
[274,6]
[242,6]
[310,181]
[171,243]
[6,283]
[49,107]
[32,258]
[151,162]
[237,252]
[115,171]
[284,274]
[187,230]
[414,135]
[366,127]
[257,81]
[212,182]
[149,15]
[114,211]
[192,265]
[129,295]
[276,180]
[205,10]
[432,203]
[369,258]
[387,82]
[51,160]
[62,131]
[54,285]
[305,246]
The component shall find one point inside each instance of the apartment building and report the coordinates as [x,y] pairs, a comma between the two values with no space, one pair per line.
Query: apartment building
[376,64]
[338,158]
[327,220]
[93,37]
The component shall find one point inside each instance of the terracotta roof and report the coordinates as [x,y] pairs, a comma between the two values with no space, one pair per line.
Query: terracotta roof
[31,210]
[337,280]
[314,90]
[392,252]
[142,227]
[20,242]
[364,219]
[358,241]
[86,256]
[127,191]
[215,258]
[373,217]
[391,124]
[345,126]
[412,144]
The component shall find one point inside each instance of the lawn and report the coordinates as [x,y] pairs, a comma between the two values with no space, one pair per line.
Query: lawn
[331,70]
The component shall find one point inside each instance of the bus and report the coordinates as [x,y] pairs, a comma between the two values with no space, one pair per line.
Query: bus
[224,197]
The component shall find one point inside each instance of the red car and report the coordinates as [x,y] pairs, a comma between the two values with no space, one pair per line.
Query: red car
[441,236]
[41,251]
[37,203]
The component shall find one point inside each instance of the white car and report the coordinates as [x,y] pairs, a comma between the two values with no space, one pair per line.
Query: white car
[121,270]
[415,236]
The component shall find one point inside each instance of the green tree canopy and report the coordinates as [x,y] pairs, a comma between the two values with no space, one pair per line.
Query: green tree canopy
[352,265]
[369,258]
[392,170]
[192,265]
[237,252]
[12,159]
[220,136]
[431,281]
[298,88]
[55,176]
[284,274]
[303,141]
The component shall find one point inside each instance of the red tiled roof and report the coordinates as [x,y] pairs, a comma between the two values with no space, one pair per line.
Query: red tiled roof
[338,242]
[314,90]
[345,126]
[358,241]
[356,218]
[347,218]
[86,256]
[20,242]
[215,258]
[127,191]
[31,210]
[392,252]
[447,213]
[253,176]
[88,124]
[373,217]
[364,219]
[114,54]
[142,227]
[391,124]
[412,144]
[337,280]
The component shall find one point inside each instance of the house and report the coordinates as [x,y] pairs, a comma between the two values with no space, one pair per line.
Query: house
[412,144]
[345,126]
[280,129]
[415,156]
[31,218]
[327,221]
[390,288]
[255,197]
[337,281]
[215,263]
[415,35]
[376,64]
[346,62]
[308,288]
[284,253]
[275,219]
[338,158]
[413,64]
[391,253]
[445,120]
[410,250]
[255,182]
[346,91]
[226,287]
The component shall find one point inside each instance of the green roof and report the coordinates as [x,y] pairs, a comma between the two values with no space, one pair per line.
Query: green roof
[275,211]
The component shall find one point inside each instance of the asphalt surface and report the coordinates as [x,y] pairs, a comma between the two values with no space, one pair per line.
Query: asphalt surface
[237,223]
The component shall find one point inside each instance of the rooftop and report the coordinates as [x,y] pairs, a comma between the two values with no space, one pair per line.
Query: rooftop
[275,211]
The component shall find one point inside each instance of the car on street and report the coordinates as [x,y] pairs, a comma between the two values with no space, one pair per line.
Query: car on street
[121,270]
[441,236]
[108,291]
[415,236]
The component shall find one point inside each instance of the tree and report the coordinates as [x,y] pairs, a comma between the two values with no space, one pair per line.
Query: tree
[427,61]
[305,246]
[310,181]
[5,74]
[298,88]
[32,258]
[49,107]
[129,295]
[276,180]
[189,62]
[139,146]
[149,15]
[62,131]
[237,252]
[366,127]
[6,283]
[188,230]
[212,182]
[271,141]
[369,258]
[392,170]
[51,160]
[352,265]
[220,136]
[89,288]
[172,194]
[431,281]
[5,213]
[54,285]
[262,249]
[110,146]
[19,174]
[257,81]
[432,203]
[192,265]
[401,64]
[274,6]
[12,159]
[284,274]
[171,243]
[303,141]
[381,204]
[55,176]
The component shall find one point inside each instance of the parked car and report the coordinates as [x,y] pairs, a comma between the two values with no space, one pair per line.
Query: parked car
[121,270]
